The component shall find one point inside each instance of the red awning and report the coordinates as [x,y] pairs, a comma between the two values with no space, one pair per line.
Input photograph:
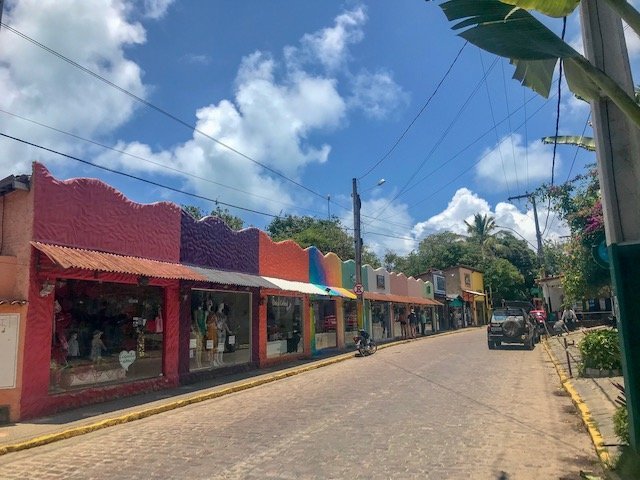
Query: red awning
[67,257]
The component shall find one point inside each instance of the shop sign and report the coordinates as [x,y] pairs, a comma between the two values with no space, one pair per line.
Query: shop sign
[285,302]
[127,358]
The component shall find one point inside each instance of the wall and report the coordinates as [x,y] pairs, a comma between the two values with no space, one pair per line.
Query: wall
[349,275]
[87,213]
[399,284]
[15,256]
[324,269]
[286,260]
[211,243]
[415,287]
[372,281]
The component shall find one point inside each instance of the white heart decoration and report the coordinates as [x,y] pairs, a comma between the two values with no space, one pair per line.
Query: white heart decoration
[127,358]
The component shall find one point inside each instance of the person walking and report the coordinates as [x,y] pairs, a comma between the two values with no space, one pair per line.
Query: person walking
[413,323]
[569,318]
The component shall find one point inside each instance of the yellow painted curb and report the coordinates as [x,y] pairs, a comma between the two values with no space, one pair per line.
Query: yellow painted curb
[220,392]
[587,419]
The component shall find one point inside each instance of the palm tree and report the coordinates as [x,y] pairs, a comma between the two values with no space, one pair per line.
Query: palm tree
[480,231]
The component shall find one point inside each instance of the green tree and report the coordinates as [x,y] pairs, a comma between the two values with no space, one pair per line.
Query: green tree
[505,280]
[578,203]
[554,253]
[232,221]
[480,231]
[328,235]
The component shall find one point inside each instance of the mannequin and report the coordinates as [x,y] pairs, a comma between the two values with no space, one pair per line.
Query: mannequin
[223,330]
[199,329]
[74,348]
[212,334]
[97,346]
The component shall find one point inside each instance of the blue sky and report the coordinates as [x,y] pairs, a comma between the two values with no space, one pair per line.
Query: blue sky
[318,91]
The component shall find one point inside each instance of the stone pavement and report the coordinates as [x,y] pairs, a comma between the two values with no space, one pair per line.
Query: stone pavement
[40,431]
[598,394]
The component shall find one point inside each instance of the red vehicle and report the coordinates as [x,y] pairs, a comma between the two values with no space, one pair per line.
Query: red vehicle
[540,318]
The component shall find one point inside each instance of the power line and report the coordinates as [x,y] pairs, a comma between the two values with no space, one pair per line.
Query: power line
[128,175]
[167,167]
[405,187]
[159,109]
[157,184]
[393,147]
[555,142]
[495,128]
[472,165]
[513,148]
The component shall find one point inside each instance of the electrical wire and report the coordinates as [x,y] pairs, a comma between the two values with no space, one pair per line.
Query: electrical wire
[405,187]
[406,130]
[158,164]
[513,148]
[128,175]
[158,109]
[495,128]
[555,142]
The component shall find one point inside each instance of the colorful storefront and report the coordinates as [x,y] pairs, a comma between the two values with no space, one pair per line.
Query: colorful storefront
[109,298]
[101,278]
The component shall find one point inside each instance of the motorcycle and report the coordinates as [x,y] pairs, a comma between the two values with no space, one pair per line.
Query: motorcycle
[364,344]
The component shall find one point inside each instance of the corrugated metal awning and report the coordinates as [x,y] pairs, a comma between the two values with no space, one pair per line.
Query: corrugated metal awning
[234,278]
[479,294]
[390,297]
[295,286]
[67,257]
[345,293]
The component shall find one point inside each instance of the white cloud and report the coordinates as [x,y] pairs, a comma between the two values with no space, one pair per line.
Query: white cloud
[377,94]
[391,232]
[39,86]
[508,164]
[156,9]
[465,204]
[330,45]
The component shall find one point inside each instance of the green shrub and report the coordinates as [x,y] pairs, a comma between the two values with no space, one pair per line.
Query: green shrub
[621,424]
[601,350]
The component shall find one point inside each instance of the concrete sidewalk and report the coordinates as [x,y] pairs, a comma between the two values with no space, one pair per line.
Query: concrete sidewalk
[41,431]
[594,397]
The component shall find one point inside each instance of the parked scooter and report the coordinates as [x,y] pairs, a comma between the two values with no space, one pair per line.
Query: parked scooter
[364,344]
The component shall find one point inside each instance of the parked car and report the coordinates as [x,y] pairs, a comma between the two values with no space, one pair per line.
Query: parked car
[512,325]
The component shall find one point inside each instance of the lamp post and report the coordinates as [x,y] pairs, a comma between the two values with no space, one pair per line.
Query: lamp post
[358,246]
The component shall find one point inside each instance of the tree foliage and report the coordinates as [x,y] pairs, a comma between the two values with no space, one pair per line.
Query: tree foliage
[328,235]
[233,222]
[578,203]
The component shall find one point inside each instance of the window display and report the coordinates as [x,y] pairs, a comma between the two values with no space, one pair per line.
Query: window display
[350,321]
[324,313]
[220,329]
[284,326]
[380,320]
[105,333]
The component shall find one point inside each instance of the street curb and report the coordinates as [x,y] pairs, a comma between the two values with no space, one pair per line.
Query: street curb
[147,412]
[585,413]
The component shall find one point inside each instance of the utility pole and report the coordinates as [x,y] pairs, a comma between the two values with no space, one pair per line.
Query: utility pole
[618,155]
[358,245]
[532,198]
[328,205]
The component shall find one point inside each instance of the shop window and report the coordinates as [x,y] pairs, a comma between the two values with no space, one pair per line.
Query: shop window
[105,333]
[440,284]
[350,321]
[380,281]
[220,329]
[380,320]
[326,323]
[284,326]
[467,280]
[428,289]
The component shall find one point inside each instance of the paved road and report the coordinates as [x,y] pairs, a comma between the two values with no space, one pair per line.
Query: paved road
[440,408]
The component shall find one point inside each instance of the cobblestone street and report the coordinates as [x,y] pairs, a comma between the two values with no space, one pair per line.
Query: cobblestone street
[439,408]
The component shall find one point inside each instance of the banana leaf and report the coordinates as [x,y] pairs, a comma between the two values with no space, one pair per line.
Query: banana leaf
[535,74]
[552,8]
[587,143]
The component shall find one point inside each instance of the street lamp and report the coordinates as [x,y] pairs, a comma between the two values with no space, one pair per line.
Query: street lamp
[358,245]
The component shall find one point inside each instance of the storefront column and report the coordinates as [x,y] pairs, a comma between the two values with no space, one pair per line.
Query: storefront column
[171,335]
[339,322]
[260,333]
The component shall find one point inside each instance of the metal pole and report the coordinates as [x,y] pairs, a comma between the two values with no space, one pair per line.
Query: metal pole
[328,207]
[538,236]
[358,247]
[618,155]
[566,351]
